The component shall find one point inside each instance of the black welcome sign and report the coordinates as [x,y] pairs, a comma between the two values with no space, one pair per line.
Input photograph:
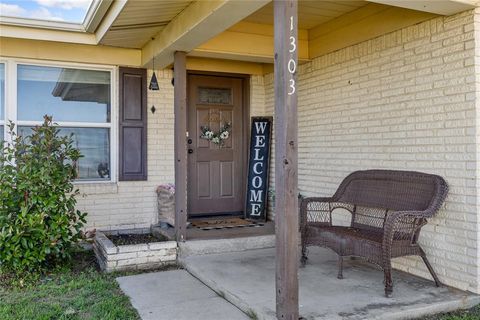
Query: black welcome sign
[258,162]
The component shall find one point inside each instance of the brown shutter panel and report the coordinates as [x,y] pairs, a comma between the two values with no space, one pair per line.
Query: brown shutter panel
[133,124]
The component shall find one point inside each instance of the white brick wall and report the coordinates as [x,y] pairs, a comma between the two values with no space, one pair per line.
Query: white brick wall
[257,96]
[475,199]
[405,100]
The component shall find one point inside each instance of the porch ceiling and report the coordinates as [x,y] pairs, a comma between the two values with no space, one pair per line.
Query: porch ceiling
[139,21]
[311,13]
[324,26]
[243,30]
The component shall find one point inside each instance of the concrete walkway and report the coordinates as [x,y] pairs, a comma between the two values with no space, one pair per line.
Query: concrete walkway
[247,279]
[176,295]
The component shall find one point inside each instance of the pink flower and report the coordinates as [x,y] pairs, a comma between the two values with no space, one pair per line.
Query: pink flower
[170,187]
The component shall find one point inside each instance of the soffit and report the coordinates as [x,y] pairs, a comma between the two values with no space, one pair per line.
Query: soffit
[140,20]
[311,13]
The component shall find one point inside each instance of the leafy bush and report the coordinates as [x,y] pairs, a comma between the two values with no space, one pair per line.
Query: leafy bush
[38,220]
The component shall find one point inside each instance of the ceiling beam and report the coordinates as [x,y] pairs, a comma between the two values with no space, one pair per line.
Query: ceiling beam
[247,41]
[198,23]
[443,7]
[222,65]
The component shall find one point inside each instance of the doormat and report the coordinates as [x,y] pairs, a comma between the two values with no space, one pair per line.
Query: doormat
[210,224]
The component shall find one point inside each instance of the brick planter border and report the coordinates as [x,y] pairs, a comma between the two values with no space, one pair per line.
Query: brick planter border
[133,257]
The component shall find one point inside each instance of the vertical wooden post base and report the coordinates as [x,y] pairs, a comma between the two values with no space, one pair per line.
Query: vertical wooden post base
[286,200]
[180,105]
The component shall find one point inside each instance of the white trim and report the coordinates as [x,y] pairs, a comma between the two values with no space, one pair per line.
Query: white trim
[41,24]
[3,121]
[11,65]
[90,182]
[62,64]
[95,14]
[114,112]
[67,124]
[11,96]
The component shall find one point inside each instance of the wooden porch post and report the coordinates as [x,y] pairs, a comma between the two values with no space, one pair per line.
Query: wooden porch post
[286,177]
[180,105]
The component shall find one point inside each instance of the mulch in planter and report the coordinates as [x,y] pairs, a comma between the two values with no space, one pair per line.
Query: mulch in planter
[127,239]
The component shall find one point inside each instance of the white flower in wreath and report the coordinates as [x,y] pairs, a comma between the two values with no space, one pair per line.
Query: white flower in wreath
[224,135]
[216,140]
[209,135]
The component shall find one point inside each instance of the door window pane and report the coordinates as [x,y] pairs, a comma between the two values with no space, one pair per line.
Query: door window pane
[214,95]
[94,145]
[66,94]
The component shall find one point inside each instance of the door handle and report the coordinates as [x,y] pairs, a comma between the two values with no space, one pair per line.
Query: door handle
[190,150]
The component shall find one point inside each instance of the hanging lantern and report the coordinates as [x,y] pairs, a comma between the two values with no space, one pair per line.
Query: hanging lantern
[153,81]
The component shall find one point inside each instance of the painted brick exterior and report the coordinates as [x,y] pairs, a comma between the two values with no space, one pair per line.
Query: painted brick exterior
[475,199]
[257,96]
[405,100]
[133,257]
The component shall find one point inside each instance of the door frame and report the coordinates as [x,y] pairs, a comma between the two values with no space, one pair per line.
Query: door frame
[245,114]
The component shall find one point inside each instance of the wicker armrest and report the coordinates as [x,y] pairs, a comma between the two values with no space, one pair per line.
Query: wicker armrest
[403,226]
[315,209]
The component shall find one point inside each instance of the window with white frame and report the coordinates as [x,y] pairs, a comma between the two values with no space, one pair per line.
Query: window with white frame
[80,102]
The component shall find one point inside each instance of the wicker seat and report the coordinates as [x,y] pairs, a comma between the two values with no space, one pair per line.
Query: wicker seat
[388,209]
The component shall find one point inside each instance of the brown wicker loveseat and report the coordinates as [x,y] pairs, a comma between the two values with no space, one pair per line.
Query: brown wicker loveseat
[388,209]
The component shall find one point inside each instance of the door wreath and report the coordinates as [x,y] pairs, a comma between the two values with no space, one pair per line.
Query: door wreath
[216,137]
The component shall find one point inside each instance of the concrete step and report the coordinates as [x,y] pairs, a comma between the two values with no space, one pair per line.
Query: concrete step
[211,246]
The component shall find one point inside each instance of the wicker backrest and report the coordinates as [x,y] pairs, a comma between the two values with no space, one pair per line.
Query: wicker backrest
[392,191]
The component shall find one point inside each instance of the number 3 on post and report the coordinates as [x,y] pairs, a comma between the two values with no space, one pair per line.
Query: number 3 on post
[292,65]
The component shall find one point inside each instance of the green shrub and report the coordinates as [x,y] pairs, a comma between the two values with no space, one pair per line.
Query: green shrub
[38,220]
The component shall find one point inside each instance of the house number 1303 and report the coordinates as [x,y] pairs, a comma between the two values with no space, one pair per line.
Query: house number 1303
[292,65]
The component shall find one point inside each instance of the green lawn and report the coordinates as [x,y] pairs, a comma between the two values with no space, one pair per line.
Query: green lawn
[78,291]
[472,314]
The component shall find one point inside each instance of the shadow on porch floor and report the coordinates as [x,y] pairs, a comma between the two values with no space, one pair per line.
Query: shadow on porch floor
[247,280]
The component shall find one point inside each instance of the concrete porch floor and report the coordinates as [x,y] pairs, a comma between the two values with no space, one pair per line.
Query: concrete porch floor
[247,280]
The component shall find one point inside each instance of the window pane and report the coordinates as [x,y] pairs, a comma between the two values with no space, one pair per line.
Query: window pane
[1,135]
[94,145]
[66,94]
[2,92]
[215,95]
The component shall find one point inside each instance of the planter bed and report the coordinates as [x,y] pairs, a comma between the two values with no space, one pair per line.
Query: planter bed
[129,254]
